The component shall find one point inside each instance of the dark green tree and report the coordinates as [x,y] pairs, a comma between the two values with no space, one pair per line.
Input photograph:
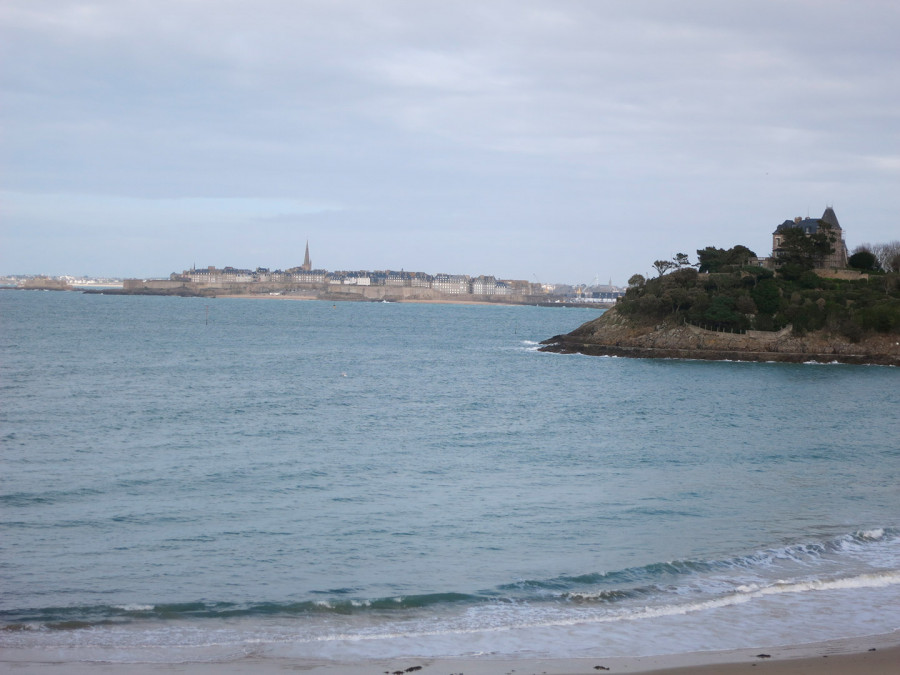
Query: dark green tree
[713,259]
[805,251]
[863,260]
[722,311]
[767,296]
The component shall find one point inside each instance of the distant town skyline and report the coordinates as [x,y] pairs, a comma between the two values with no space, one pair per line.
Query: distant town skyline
[328,273]
[551,141]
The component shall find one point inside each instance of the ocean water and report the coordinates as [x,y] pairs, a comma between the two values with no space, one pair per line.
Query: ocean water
[194,479]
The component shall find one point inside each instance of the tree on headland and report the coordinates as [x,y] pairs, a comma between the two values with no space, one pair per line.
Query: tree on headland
[678,262]
[713,259]
[663,266]
[767,296]
[804,251]
[682,260]
[864,261]
[729,294]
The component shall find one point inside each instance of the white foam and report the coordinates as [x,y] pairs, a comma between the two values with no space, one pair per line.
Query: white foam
[752,613]
[875,580]
[742,594]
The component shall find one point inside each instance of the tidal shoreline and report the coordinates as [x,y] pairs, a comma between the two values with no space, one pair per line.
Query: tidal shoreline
[614,335]
[871,655]
[717,355]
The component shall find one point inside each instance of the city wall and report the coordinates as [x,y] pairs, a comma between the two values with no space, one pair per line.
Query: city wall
[334,292]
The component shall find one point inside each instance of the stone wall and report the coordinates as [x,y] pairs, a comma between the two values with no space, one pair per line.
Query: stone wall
[46,284]
[155,284]
[835,273]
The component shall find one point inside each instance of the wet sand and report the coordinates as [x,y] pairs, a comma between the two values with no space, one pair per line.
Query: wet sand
[876,655]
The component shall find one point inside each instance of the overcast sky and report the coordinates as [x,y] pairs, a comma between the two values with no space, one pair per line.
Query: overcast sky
[558,141]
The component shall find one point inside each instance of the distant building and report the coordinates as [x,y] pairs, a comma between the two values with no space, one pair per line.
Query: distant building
[237,276]
[522,287]
[810,226]
[420,280]
[484,285]
[392,278]
[604,292]
[304,276]
[451,284]
[357,279]
[202,276]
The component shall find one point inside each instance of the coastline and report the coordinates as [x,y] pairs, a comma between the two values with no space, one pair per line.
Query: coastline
[869,655]
[432,299]
[407,301]
[718,355]
[614,335]
[417,300]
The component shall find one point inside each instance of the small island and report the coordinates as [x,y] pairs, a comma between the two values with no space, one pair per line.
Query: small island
[810,301]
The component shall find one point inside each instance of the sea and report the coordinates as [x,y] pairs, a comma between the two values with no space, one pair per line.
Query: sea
[189,479]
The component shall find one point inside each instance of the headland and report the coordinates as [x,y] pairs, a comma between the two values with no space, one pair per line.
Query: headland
[615,335]
[742,308]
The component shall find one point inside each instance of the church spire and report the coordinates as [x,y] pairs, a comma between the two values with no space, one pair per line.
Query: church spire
[307,263]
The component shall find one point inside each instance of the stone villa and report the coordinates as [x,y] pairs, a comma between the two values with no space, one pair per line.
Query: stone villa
[838,259]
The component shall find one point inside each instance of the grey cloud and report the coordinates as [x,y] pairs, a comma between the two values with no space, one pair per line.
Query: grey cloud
[577,118]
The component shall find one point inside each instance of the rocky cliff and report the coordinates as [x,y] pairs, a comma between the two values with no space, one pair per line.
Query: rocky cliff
[614,335]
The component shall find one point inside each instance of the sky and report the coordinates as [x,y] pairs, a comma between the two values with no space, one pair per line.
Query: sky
[563,141]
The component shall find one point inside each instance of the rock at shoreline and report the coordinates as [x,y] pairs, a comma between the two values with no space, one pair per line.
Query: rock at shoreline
[614,335]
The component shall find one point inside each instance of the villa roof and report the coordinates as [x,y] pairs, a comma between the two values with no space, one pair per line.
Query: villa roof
[811,225]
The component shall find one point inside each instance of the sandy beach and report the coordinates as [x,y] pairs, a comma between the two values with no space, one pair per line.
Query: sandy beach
[874,655]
